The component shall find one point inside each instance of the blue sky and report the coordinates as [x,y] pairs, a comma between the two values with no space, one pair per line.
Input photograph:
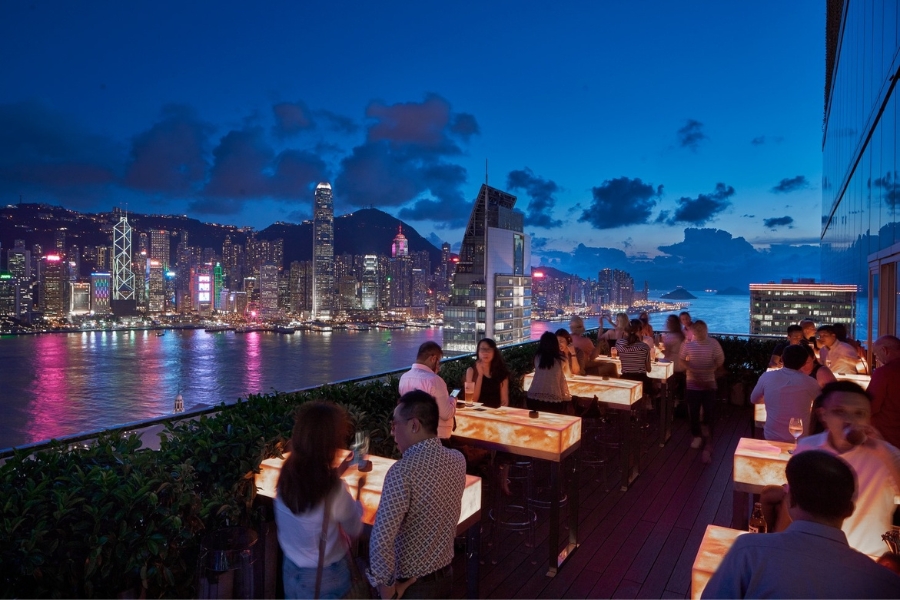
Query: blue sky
[619,125]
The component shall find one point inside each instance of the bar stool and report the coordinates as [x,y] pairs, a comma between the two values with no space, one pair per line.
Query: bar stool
[514,512]
[598,438]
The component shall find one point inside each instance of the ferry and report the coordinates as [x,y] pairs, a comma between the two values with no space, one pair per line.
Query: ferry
[218,329]
[320,326]
[285,329]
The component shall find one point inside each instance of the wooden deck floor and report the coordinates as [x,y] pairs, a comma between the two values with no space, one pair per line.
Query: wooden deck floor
[635,544]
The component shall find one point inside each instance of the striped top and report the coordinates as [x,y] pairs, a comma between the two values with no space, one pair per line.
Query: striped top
[701,359]
[634,357]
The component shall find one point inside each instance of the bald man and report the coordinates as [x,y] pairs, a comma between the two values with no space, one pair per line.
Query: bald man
[885,389]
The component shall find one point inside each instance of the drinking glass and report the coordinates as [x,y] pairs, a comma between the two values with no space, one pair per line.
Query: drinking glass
[470,391]
[360,446]
[795,426]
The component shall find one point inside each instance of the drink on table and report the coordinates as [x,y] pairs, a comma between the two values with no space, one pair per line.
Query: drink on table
[757,520]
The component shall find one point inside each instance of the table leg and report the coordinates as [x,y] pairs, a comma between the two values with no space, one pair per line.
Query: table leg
[473,543]
[740,508]
[553,540]
[627,449]
[665,430]
[573,507]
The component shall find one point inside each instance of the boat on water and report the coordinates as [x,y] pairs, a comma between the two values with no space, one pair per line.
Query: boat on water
[161,333]
[218,329]
[389,325]
[320,326]
[357,327]
[285,329]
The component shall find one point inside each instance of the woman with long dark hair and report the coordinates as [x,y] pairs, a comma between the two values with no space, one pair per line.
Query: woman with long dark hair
[490,375]
[310,491]
[549,391]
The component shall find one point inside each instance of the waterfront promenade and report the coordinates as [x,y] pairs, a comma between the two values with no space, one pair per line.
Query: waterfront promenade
[635,544]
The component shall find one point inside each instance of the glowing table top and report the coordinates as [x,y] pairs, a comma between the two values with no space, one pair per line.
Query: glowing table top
[715,544]
[658,370]
[758,463]
[267,479]
[862,380]
[549,436]
[618,392]
[759,414]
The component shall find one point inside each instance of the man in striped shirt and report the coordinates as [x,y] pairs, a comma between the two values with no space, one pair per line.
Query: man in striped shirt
[701,357]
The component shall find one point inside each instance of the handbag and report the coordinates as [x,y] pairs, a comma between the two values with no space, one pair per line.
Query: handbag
[323,539]
[359,585]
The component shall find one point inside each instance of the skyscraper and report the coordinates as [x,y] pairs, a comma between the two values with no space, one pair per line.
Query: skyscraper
[491,293]
[400,247]
[123,277]
[323,252]
[268,290]
[370,283]
[160,247]
[774,306]
[52,298]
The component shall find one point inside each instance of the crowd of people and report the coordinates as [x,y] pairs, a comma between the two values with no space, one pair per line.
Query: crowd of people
[838,501]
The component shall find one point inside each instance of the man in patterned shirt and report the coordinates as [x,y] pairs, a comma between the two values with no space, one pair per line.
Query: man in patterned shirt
[411,546]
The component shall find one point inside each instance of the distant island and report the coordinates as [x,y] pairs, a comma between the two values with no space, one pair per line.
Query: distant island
[679,293]
[732,291]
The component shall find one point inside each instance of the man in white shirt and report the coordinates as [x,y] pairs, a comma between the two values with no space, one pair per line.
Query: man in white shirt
[424,376]
[838,356]
[787,393]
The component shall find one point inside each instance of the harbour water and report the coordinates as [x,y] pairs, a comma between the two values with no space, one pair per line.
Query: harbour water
[55,385]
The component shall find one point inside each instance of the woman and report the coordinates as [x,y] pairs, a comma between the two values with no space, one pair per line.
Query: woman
[635,356]
[308,485]
[702,356]
[647,337]
[549,391]
[571,364]
[673,338]
[490,375]
[620,332]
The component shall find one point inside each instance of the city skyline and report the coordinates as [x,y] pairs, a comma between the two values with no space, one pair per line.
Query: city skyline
[654,119]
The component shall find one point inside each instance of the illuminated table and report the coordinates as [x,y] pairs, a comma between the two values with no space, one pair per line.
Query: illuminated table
[469,517]
[549,437]
[862,380]
[662,371]
[757,463]
[621,394]
[713,548]
[759,419]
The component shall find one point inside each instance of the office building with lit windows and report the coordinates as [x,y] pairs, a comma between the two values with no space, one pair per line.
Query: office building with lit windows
[775,306]
[860,236]
[323,252]
[491,290]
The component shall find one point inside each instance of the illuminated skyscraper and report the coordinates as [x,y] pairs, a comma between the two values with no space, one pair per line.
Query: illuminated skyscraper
[323,252]
[370,283]
[160,247]
[268,290]
[491,293]
[18,262]
[123,277]
[400,247]
[100,293]
[52,298]
[217,286]
[156,287]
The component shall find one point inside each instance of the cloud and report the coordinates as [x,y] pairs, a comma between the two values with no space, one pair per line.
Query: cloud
[691,134]
[246,168]
[699,210]
[293,118]
[777,222]
[621,202]
[404,162]
[891,186]
[46,155]
[170,157]
[791,184]
[541,193]
[538,243]
[760,140]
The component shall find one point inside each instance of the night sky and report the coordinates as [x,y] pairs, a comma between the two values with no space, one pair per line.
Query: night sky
[679,140]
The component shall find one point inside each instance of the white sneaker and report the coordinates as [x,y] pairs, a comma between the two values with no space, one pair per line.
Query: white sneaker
[698,441]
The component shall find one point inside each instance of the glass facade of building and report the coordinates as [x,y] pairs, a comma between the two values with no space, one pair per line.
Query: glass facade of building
[775,306]
[861,167]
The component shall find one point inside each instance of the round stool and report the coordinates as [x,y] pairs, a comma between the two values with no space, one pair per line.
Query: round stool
[514,512]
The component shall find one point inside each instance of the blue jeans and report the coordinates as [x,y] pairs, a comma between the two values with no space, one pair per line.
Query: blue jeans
[301,582]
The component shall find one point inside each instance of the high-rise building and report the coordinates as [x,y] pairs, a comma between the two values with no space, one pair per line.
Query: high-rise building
[9,296]
[202,289]
[53,287]
[79,301]
[616,287]
[217,286]
[775,306]
[323,252]
[491,292]
[156,286]
[301,286]
[101,284]
[160,247]
[860,235]
[370,285]
[268,291]
[400,247]
[123,276]
[18,263]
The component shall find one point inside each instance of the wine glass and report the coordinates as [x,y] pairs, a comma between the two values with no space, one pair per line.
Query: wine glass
[795,426]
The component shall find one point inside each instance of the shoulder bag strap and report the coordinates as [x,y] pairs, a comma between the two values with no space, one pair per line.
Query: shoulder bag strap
[323,539]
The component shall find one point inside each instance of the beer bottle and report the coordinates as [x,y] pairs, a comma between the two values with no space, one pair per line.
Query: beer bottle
[757,520]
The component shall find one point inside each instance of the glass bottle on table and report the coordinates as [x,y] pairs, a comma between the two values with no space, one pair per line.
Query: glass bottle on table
[757,520]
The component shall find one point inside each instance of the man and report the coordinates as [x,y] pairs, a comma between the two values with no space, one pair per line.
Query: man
[702,357]
[584,347]
[794,337]
[811,558]
[411,547]
[686,325]
[838,356]
[424,376]
[885,389]
[787,393]
[809,333]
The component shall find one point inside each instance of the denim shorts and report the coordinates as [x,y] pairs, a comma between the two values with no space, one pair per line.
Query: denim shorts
[300,582]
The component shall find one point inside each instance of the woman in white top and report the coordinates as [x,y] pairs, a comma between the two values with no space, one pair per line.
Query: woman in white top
[309,483]
[620,332]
